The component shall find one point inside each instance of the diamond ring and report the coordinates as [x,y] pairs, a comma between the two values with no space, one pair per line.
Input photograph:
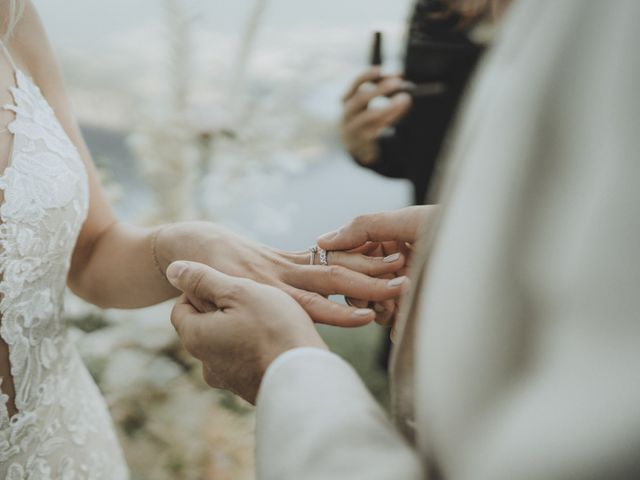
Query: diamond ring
[324,257]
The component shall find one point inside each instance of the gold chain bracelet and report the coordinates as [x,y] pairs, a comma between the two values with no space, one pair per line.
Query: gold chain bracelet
[154,251]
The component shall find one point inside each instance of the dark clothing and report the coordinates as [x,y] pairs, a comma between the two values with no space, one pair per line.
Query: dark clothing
[437,51]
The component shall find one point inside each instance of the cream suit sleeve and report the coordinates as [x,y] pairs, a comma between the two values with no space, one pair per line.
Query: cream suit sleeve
[317,421]
[544,284]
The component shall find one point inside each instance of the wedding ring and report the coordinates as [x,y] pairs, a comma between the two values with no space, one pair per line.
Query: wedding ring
[370,305]
[324,257]
[313,250]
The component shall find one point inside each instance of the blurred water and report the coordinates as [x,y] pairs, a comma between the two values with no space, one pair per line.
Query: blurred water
[89,22]
[112,54]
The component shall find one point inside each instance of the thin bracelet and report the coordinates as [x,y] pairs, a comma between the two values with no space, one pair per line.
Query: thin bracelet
[154,251]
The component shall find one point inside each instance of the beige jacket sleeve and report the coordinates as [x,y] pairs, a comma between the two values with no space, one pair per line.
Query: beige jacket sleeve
[574,412]
[317,421]
[529,367]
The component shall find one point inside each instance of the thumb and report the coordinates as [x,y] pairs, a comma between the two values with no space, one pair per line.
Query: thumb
[401,225]
[203,284]
[346,238]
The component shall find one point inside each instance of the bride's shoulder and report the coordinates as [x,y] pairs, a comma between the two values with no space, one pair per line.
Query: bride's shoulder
[29,44]
[27,40]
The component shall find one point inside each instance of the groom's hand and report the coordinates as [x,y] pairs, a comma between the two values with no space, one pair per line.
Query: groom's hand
[351,274]
[381,235]
[402,226]
[239,327]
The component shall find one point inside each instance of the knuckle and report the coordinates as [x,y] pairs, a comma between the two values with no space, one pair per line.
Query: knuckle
[372,266]
[307,299]
[293,273]
[195,282]
[333,270]
[374,222]
[240,288]
[363,96]
[360,221]
[337,258]
[235,291]
[335,273]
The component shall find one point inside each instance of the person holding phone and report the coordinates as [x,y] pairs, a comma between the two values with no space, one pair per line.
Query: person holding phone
[402,137]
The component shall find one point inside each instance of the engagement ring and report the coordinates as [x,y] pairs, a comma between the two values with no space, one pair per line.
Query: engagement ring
[324,257]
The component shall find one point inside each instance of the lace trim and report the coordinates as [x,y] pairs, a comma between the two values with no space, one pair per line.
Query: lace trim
[45,205]
[45,194]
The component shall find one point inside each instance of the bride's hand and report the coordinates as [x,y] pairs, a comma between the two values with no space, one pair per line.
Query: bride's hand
[352,274]
[240,328]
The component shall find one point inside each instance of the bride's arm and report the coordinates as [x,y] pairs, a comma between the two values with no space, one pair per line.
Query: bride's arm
[114,264]
[92,276]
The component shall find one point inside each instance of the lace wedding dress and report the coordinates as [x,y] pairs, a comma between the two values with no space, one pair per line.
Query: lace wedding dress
[61,430]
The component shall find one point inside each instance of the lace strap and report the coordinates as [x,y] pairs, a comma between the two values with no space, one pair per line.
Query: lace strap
[8,55]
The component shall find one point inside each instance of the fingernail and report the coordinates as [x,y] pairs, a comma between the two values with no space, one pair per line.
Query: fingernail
[396,282]
[328,236]
[401,98]
[367,87]
[363,312]
[175,270]
[379,308]
[392,258]
[379,103]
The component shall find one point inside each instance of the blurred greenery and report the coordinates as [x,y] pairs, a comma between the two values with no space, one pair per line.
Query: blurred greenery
[362,347]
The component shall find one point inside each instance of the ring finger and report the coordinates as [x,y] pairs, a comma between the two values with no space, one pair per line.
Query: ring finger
[372,266]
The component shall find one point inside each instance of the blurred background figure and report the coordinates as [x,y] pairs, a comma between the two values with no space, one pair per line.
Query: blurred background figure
[396,124]
[255,87]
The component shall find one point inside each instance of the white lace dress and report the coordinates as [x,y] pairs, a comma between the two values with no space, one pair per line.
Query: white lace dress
[62,430]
